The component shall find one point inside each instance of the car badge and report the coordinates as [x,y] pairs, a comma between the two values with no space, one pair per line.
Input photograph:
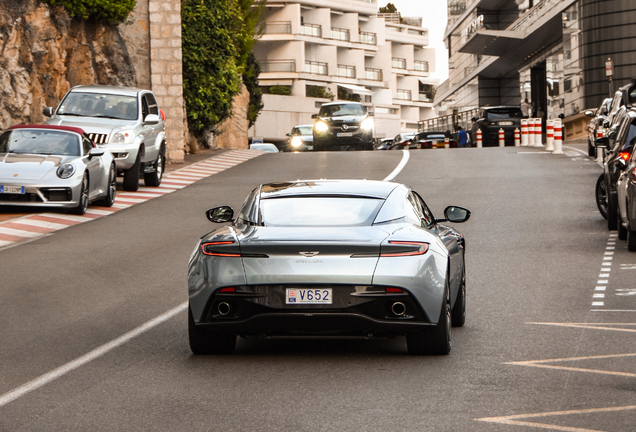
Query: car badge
[344,127]
[309,254]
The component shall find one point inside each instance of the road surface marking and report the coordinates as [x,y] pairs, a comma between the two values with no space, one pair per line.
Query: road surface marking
[88,357]
[405,158]
[513,419]
[595,326]
[544,364]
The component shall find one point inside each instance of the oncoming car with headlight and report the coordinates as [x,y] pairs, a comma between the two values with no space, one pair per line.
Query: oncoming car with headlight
[126,120]
[54,166]
[301,138]
[343,125]
[329,258]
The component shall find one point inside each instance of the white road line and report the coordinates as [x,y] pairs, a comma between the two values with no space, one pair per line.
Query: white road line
[405,158]
[86,358]
[603,277]
[584,153]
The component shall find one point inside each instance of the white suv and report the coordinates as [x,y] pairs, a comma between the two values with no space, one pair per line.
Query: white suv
[127,121]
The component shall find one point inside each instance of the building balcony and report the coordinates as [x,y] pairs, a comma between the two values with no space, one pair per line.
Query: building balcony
[373,74]
[425,97]
[277,27]
[403,95]
[345,71]
[420,66]
[316,68]
[368,38]
[340,34]
[398,63]
[311,30]
[278,65]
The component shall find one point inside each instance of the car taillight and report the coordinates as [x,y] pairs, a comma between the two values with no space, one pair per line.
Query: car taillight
[624,155]
[212,250]
[417,248]
[228,290]
[393,290]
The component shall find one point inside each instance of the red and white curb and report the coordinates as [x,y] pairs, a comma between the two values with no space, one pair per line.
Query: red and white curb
[33,226]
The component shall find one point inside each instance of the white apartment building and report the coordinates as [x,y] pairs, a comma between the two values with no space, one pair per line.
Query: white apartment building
[311,49]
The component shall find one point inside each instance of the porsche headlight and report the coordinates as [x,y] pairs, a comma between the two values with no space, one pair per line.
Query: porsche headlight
[122,137]
[66,171]
[367,124]
[321,126]
[296,142]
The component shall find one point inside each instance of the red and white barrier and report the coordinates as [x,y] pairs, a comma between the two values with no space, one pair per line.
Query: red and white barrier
[524,132]
[558,137]
[502,138]
[517,137]
[538,132]
[549,135]
[479,139]
[531,131]
[446,142]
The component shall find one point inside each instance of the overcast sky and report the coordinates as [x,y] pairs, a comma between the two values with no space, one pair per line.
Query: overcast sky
[433,13]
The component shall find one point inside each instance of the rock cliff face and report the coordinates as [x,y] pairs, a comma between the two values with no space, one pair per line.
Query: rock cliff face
[44,52]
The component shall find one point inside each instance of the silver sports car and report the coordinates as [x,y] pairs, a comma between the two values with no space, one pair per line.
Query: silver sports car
[329,257]
[54,166]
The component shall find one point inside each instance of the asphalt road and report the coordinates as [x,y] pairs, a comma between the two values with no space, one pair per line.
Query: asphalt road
[540,347]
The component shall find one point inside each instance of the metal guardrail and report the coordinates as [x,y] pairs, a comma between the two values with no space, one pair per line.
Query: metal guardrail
[311,30]
[398,63]
[448,122]
[340,34]
[373,74]
[368,38]
[318,68]
[278,65]
[345,71]
[421,66]
[277,27]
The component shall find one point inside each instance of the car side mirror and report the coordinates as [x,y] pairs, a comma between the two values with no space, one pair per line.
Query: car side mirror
[602,142]
[589,113]
[220,214]
[48,111]
[612,134]
[95,152]
[314,116]
[621,163]
[151,119]
[455,214]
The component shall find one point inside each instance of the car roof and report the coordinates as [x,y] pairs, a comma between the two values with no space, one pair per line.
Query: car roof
[341,103]
[50,127]
[363,188]
[105,89]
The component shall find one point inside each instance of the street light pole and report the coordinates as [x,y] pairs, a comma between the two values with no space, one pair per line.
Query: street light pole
[609,71]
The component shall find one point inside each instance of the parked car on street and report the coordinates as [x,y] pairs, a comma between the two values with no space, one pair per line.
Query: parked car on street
[54,166]
[385,144]
[301,138]
[595,128]
[267,147]
[427,140]
[328,258]
[626,197]
[402,140]
[619,145]
[491,119]
[125,120]
[343,125]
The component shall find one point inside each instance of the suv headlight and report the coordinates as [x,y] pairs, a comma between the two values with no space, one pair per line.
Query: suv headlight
[296,142]
[367,124]
[122,137]
[66,171]
[321,126]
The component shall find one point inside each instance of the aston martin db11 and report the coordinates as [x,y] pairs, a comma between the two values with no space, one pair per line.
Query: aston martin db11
[329,258]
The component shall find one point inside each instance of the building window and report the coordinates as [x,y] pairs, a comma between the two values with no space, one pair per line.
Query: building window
[278,65]
[317,68]
[277,27]
[398,63]
[340,34]
[311,30]
[345,71]
[373,74]
[421,66]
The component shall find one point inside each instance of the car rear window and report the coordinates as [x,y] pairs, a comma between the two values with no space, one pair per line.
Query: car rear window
[308,211]
[504,113]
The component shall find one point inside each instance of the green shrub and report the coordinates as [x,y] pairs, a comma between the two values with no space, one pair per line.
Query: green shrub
[318,92]
[280,90]
[106,11]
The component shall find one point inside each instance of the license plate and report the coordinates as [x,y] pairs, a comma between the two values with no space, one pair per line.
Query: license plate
[505,123]
[308,296]
[345,134]
[12,189]
[310,147]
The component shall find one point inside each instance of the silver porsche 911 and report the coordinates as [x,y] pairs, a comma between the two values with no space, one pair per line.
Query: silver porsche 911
[329,257]
[54,166]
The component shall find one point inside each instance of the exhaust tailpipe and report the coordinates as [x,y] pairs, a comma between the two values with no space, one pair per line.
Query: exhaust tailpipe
[398,309]
[224,308]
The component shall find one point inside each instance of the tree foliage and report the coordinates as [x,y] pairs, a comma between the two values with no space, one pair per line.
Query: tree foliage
[389,8]
[218,36]
[106,11]
[250,79]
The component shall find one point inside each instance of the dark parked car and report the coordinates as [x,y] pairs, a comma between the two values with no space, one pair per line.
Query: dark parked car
[343,125]
[491,119]
[626,191]
[426,140]
[300,138]
[402,140]
[385,144]
[619,143]
[595,128]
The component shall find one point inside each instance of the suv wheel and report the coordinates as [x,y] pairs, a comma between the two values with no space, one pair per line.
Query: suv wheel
[154,178]
[131,175]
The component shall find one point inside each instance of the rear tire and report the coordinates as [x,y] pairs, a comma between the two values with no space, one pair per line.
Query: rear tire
[612,217]
[154,178]
[622,231]
[436,340]
[204,341]
[601,195]
[591,150]
[131,175]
